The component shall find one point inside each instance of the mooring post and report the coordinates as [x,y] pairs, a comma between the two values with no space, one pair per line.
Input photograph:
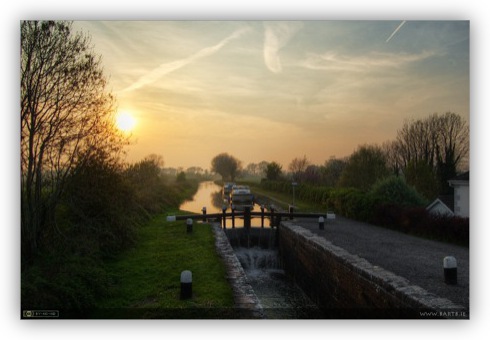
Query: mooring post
[291,211]
[321,223]
[450,270]
[232,217]
[185,285]
[203,214]
[247,218]
[189,225]
[262,215]
[224,216]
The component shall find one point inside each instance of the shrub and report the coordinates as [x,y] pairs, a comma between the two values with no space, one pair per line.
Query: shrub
[395,190]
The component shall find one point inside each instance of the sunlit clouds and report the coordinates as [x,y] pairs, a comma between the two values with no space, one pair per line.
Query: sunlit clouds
[282,89]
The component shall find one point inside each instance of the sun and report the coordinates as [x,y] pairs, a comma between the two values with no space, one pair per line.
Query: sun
[125,121]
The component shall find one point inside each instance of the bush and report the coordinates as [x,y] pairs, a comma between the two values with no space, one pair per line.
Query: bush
[394,190]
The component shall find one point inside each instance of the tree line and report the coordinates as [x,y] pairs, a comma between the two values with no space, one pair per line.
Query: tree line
[426,152]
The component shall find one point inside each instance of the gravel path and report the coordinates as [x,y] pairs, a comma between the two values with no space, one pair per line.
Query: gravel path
[418,260]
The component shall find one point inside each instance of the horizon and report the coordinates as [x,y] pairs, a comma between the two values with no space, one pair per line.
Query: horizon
[277,90]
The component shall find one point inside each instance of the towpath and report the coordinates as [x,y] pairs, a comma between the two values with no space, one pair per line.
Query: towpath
[418,260]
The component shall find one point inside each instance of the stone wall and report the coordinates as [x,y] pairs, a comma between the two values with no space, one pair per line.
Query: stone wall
[247,305]
[347,286]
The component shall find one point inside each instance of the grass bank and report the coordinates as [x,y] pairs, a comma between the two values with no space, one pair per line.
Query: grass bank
[145,280]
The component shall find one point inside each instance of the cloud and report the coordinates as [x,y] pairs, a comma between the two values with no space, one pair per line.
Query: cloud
[376,60]
[276,36]
[396,30]
[169,67]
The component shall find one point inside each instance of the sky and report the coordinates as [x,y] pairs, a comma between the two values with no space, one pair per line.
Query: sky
[277,90]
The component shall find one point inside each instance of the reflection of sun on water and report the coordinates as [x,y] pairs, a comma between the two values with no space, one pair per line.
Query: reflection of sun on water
[125,121]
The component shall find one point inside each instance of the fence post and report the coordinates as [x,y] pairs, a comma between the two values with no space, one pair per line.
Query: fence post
[272,215]
[246,218]
[262,215]
[224,216]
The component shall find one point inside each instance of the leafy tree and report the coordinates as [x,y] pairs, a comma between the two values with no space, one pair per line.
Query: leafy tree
[226,165]
[273,171]
[66,117]
[395,190]
[146,179]
[421,176]
[181,177]
[332,170]
[365,167]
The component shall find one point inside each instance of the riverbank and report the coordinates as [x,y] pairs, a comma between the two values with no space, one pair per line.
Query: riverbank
[145,281]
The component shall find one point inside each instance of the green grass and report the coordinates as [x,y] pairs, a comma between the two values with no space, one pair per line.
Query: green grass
[283,200]
[146,279]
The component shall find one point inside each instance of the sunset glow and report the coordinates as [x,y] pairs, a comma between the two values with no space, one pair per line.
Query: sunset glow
[276,90]
[125,121]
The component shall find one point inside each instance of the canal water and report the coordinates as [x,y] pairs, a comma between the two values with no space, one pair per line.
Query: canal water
[279,296]
[209,195]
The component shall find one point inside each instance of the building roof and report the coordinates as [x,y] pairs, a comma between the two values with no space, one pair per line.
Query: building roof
[447,205]
[448,200]
[465,176]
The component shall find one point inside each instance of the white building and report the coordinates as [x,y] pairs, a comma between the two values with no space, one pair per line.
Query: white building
[461,185]
[457,204]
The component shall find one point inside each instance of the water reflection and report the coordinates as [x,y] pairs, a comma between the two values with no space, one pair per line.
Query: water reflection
[209,195]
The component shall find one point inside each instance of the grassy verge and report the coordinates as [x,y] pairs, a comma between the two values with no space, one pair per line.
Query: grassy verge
[146,279]
[283,200]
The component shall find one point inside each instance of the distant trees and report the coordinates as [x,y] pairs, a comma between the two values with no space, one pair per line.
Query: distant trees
[298,167]
[66,118]
[365,167]
[332,170]
[273,171]
[226,165]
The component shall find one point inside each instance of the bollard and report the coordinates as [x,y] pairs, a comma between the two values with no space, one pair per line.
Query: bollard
[186,285]
[203,214]
[321,223]
[189,225]
[291,211]
[450,270]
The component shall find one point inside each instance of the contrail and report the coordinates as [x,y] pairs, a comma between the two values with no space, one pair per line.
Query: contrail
[396,30]
[166,68]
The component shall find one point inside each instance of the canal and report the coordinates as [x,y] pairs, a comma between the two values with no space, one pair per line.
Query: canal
[279,296]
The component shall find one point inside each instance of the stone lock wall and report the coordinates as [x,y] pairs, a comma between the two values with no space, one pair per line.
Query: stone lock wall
[347,286]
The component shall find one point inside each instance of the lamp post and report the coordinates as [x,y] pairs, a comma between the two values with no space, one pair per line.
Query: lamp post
[294,184]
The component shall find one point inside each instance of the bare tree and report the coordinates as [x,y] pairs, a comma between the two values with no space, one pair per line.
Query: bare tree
[66,117]
[298,167]
[441,141]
